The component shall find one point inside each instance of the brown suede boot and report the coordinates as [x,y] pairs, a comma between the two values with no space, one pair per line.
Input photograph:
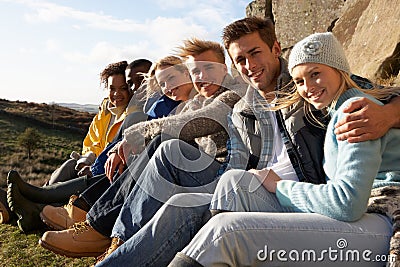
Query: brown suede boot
[5,212]
[115,243]
[81,240]
[61,218]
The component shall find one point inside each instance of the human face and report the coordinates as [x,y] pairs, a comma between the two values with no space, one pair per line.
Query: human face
[118,92]
[255,60]
[207,72]
[134,77]
[318,84]
[174,83]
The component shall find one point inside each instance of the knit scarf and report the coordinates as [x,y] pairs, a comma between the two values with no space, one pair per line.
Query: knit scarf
[386,200]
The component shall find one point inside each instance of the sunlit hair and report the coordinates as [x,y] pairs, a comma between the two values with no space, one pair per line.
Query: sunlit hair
[242,27]
[112,69]
[290,96]
[194,47]
[168,61]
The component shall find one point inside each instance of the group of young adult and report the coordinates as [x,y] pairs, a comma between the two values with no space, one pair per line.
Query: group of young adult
[250,171]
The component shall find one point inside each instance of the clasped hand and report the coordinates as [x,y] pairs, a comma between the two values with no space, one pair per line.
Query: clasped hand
[117,161]
[268,178]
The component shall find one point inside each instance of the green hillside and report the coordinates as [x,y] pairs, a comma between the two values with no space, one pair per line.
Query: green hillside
[61,134]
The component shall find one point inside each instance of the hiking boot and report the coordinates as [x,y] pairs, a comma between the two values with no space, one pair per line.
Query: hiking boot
[26,211]
[115,243]
[5,212]
[61,218]
[81,240]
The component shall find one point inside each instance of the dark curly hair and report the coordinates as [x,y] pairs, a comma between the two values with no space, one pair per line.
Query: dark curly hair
[112,69]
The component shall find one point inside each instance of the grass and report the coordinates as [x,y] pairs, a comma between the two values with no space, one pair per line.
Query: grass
[55,147]
[17,248]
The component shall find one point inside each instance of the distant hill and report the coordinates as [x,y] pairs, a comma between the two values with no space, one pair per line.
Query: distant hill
[86,107]
[52,116]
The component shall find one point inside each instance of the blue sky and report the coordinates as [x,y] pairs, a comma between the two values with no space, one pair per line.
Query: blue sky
[53,51]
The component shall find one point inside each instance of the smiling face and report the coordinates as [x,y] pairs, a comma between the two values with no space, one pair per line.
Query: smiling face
[255,60]
[118,91]
[174,83]
[207,72]
[318,84]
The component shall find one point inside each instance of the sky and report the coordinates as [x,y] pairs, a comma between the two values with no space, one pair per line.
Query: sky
[54,51]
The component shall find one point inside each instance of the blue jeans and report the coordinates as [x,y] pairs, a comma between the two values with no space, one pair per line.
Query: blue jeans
[240,190]
[176,167]
[169,231]
[290,239]
[105,210]
[277,236]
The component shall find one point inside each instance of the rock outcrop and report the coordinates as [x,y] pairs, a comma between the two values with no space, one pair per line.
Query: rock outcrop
[370,34]
[368,29]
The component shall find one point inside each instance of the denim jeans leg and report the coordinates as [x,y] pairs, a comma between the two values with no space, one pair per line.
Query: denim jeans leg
[176,167]
[290,239]
[169,231]
[239,190]
[105,210]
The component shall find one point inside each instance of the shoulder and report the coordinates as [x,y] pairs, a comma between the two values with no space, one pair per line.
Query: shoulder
[348,97]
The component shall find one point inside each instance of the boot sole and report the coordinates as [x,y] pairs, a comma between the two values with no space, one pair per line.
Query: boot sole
[68,254]
[50,224]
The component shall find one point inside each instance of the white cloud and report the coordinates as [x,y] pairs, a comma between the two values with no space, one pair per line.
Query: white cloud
[49,13]
[26,50]
[52,45]
[103,53]
[174,4]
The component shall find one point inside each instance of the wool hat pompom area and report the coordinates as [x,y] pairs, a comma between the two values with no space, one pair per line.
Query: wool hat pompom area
[322,48]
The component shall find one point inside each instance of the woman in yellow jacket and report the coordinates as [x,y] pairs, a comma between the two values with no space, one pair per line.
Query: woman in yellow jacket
[105,124]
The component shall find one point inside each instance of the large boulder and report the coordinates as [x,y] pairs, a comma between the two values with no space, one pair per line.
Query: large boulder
[296,19]
[370,34]
[260,8]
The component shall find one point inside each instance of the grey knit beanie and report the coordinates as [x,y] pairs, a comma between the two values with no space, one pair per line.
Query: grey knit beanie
[321,48]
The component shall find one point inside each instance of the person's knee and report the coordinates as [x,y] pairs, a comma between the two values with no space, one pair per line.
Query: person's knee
[233,179]
[168,147]
[70,163]
[185,204]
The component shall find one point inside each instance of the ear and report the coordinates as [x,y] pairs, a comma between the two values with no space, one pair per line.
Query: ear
[225,69]
[276,49]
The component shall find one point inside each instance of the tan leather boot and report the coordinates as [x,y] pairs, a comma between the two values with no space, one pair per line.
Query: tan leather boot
[5,211]
[115,243]
[4,214]
[81,240]
[61,218]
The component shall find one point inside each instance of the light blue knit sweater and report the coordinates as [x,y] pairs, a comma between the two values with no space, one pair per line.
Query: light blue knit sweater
[351,171]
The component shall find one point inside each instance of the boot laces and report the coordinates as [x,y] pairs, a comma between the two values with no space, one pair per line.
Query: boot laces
[115,243]
[80,227]
[71,200]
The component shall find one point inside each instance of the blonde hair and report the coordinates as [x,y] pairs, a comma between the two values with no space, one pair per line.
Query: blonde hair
[168,61]
[194,47]
[288,97]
